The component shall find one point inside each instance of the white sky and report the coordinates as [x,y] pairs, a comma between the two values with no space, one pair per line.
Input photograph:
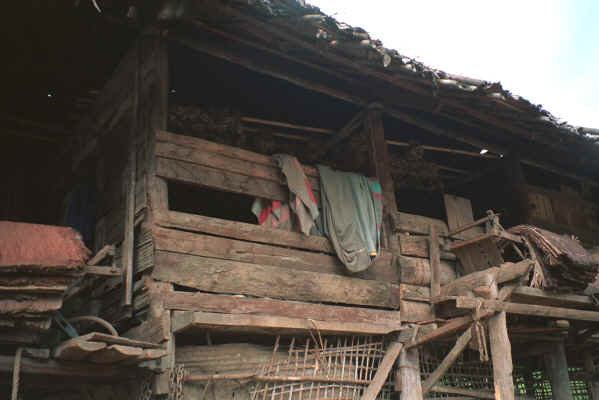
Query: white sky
[542,50]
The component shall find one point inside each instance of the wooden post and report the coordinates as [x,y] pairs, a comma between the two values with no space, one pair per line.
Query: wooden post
[590,370]
[379,156]
[501,353]
[557,369]
[382,371]
[435,260]
[448,361]
[409,368]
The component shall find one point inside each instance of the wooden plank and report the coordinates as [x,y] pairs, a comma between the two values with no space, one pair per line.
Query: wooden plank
[528,309]
[382,371]
[409,367]
[236,250]
[525,294]
[350,127]
[459,213]
[244,305]
[146,355]
[34,289]
[448,361]
[228,151]
[435,261]
[37,306]
[470,393]
[417,246]
[76,349]
[186,172]
[224,163]
[557,369]
[501,353]
[416,311]
[225,276]
[417,271]
[71,369]
[241,230]
[275,324]
[109,339]
[114,354]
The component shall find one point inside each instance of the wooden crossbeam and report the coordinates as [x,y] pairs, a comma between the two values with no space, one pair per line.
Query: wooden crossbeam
[448,361]
[343,133]
[527,309]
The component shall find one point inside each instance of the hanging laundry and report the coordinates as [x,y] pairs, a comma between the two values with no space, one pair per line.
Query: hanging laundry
[273,214]
[301,200]
[352,213]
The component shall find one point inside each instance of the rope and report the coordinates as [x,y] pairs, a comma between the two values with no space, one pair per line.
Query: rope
[97,320]
[15,374]
[479,332]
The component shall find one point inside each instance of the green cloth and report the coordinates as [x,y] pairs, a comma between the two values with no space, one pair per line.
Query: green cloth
[351,216]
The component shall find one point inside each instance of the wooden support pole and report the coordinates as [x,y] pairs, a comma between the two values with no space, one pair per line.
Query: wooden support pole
[381,163]
[557,369]
[382,371]
[435,261]
[343,133]
[501,353]
[448,361]
[591,371]
[409,368]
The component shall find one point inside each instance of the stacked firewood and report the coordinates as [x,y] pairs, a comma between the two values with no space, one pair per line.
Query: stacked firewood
[38,263]
[563,264]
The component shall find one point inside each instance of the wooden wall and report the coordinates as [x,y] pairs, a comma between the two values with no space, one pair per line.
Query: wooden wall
[124,110]
[223,256]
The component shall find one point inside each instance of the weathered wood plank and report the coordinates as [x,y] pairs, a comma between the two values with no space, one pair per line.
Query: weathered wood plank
[459,213]
[228,151]
[236,250]
[417,246]
[241,305]
[435,261]
[416,311]
[186,172]
[525,294]
[114,353]
[76,349]
[528,309]
[382,372]
[224,163]
[241,230]
[184,320]
[225,276]
[109,339]
[417,271]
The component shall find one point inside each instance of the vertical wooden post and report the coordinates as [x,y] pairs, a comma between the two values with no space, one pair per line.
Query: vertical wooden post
[380,160]
[590,370]
[409,368]
[501,353]
[435,260]
[557,369]
[514,191]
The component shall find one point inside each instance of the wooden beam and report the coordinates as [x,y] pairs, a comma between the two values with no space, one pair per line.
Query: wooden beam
[557,369]
[71,369]
[526,294]
[506,272]
[225,276]
[470,393]
[501,353]
[274,324]
[338,137]
[435,261]
[448,361]
[382,372]
[527,309]
[208,302]
[409,368]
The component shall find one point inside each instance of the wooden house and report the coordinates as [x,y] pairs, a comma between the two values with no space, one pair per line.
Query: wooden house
[209,304]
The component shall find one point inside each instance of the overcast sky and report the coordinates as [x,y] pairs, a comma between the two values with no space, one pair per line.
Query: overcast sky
[546,51]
